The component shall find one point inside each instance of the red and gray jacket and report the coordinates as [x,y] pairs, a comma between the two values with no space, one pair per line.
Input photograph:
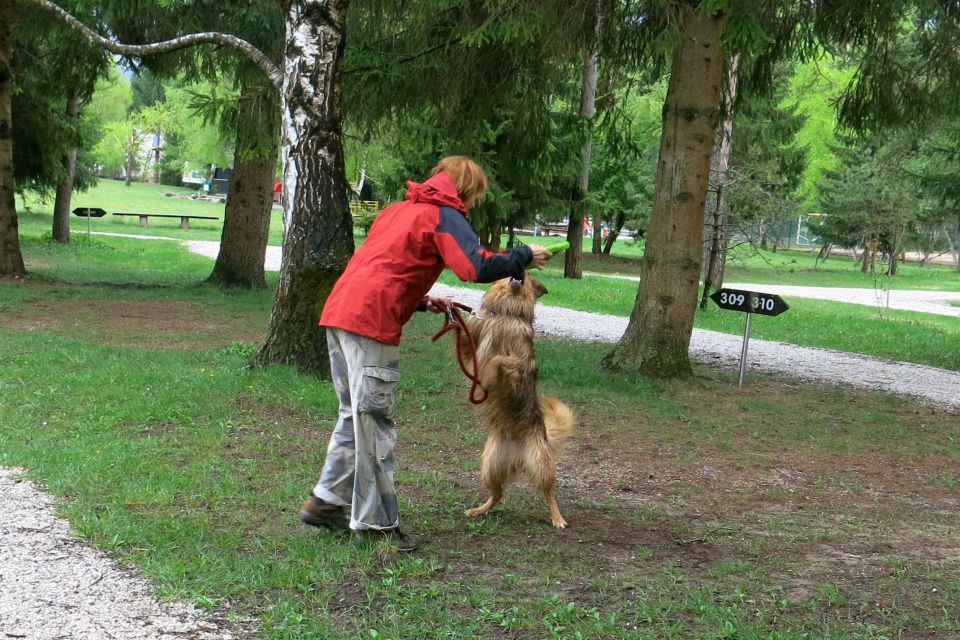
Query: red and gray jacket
[407,248]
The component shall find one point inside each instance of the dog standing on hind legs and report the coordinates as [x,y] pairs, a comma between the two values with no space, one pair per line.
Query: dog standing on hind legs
[525,432]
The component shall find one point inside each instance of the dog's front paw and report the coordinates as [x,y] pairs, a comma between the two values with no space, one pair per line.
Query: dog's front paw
[559,523]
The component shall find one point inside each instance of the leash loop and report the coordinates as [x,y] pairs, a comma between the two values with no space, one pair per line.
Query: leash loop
[453,321]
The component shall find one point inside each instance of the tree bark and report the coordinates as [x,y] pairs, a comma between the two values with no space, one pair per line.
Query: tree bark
[318,229]
[246,218]
[272,71]
[720,173]
[597,234]
[130,158]
[61,205]
[11,258]
[954,250]
[614,232]
[588,107]
[657,338]
[870,255]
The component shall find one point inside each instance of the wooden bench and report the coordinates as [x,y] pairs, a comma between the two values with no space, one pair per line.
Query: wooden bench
[184,218]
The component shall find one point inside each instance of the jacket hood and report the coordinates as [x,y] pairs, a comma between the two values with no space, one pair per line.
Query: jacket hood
[439,189]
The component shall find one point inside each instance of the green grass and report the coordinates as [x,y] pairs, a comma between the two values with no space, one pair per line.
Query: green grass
[793,267]
[697,510]
[191,466]
[796,267]
[113,195]
[900,335]
[802,269]
[114,260]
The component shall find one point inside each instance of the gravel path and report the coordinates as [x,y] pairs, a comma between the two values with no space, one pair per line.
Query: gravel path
[53,586]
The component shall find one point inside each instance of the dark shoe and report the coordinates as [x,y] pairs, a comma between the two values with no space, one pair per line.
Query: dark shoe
[393,537]
[319,513]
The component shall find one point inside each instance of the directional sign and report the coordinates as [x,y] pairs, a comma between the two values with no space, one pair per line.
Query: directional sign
[89,212]
[766,304]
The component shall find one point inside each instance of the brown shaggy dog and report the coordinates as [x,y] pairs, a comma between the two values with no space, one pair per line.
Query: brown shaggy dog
[524,431]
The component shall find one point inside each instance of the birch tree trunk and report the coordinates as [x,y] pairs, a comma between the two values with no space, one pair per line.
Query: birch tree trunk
[61,205]
[720,174]
[657,338]
[11,258]
[318,229]
[246,218]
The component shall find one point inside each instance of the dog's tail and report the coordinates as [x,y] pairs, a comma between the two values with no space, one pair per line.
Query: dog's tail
[559,421]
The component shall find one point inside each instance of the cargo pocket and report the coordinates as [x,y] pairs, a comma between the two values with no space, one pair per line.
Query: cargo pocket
[379,391]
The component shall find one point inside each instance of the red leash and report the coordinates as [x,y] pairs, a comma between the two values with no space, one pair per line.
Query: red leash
[454,321]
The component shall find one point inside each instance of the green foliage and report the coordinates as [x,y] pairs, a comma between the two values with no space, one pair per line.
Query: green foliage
[910,74]
[51,66]
[814,88]
[190,141]
[766,163]
[202,85]
[625,156]
[870,196]
[111,98]
[495,81]
[120,141]
[147,91]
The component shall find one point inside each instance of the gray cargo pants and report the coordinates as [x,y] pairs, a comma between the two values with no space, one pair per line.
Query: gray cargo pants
[358,471]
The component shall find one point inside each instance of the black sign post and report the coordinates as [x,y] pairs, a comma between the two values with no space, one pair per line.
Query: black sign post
[749,302]
[89,212]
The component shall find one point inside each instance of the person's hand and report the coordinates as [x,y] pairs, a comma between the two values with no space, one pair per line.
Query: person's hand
[540,256]
[437,305]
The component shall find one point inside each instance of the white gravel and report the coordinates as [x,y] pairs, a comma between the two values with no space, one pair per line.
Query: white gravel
[53,586]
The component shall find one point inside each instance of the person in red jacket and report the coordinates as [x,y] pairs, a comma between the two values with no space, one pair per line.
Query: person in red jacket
[384,283]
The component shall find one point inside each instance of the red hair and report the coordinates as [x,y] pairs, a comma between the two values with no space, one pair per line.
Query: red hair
[467,175]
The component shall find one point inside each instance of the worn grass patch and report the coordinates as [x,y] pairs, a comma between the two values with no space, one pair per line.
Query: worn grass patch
[697,509]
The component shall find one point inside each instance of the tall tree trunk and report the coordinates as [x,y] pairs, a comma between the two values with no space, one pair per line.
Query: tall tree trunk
[492,234]
[129,159]
[246,218]
[720,175]
[318,229]
[61,205]
[824,254]
[614,232]
[870,255]
[11,259]
[895,250]
[954,249]
[657,339]
[155,175]
[588,104]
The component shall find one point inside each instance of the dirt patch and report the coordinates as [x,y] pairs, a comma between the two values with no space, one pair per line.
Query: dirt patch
[152,324]
[714,486]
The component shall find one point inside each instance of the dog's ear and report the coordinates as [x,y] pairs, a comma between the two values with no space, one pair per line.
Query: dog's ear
[538,287]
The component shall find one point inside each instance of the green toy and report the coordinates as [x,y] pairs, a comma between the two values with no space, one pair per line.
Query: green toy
[560,246]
